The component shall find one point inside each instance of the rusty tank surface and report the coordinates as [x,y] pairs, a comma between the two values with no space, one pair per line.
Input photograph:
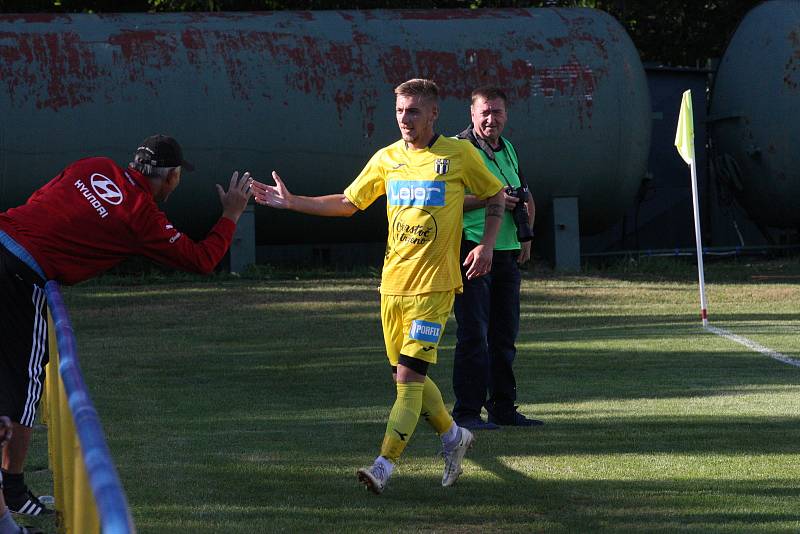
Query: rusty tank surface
[754,120]
[310,94]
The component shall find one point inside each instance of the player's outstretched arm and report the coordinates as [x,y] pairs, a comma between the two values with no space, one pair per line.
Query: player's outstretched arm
[278,196]
[234,200]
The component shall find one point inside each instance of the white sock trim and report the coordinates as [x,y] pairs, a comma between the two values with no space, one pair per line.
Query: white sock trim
[387,465]
[451,436]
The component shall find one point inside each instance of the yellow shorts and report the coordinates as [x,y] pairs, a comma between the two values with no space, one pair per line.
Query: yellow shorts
[413,325]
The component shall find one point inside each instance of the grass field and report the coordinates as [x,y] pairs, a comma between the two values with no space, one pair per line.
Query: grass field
[242,406]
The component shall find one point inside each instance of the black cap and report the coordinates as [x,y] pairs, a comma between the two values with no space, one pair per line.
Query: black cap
[162,151]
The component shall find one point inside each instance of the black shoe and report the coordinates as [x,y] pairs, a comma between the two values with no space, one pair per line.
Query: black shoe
[513,419]
[476,423]
[25,503]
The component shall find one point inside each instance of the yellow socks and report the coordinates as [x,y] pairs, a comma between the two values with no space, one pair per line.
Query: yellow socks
[403,418]
[433,409]
[413,399]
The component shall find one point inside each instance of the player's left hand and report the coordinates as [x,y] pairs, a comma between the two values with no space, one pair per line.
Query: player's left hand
[524,252]
[478,261]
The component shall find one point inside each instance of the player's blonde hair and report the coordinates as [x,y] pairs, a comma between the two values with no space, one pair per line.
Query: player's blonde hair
[421,87]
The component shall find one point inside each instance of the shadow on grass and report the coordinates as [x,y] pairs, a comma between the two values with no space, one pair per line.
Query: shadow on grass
[236,410]
[327,499]
[345,375]
[651,435]
[538,325]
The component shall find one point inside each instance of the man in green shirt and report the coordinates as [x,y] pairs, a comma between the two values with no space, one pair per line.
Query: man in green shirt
[488,310]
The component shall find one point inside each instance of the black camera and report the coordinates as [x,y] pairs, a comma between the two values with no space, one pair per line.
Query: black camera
[519,214]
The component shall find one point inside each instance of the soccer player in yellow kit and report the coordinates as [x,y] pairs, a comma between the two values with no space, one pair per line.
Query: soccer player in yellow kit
[423,176]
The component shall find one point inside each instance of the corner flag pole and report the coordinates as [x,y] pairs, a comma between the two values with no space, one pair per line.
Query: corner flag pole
[684,142]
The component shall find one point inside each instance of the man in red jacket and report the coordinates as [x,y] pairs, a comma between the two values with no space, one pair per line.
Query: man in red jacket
[87,219]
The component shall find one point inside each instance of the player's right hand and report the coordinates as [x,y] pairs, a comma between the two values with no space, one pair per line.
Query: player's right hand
[274,196]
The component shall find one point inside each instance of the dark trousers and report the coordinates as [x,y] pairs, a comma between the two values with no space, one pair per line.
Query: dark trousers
[487,313]
[23,339]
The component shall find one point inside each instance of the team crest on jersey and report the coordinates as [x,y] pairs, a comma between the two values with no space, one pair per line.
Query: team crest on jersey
[442,166]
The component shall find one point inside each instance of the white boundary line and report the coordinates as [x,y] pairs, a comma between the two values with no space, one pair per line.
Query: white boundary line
[752,345]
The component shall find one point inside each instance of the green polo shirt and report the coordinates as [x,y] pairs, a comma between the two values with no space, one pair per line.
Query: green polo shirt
[506,168]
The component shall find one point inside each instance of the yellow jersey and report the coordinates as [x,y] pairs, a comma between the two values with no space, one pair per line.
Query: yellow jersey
[424,207]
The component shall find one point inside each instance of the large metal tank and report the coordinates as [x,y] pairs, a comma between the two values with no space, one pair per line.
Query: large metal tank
[311,95]
[754,119]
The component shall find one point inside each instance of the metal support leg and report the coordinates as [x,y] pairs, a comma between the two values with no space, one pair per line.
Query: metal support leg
[243,248]
[567,234]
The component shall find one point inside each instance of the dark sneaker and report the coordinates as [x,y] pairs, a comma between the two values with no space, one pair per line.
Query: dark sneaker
[26,503]
[513,419]
[476,423]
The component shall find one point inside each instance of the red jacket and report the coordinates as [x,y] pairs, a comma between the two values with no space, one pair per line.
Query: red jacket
[95,214]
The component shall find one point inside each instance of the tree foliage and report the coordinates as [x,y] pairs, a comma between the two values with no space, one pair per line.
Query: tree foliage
[679,32]
[671,32]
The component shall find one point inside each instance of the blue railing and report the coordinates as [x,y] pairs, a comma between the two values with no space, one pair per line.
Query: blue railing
[112,506]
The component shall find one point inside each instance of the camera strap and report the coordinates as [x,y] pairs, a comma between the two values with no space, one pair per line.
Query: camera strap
[499,168]
[483,146]
[515,162]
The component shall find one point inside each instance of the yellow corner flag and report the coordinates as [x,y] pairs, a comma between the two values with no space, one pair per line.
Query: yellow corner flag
[684,137]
